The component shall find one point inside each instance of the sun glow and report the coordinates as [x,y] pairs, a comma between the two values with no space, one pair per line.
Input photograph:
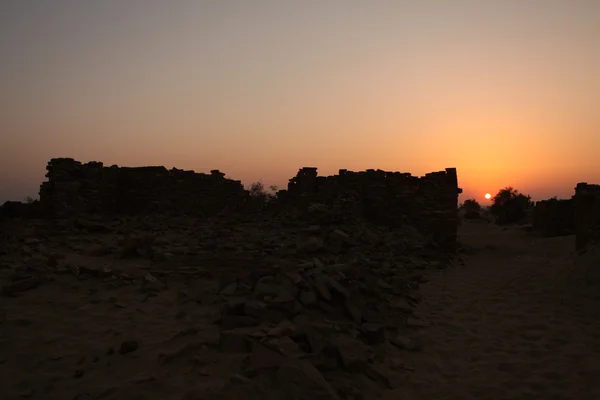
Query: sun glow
[488,196]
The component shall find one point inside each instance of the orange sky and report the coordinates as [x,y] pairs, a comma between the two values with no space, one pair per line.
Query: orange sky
[507,92]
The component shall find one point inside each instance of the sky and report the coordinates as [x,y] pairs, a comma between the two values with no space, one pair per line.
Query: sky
[508,92]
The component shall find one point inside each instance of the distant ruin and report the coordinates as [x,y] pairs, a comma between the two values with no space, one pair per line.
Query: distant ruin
[391,198]
[587,214]
[579,215]
[73,187]
[554,217]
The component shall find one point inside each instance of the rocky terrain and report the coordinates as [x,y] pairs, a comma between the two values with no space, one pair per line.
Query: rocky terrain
[316,297]
[312,298]
[96,308]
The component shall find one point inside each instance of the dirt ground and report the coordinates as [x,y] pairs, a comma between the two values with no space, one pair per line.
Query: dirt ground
[517,321]
[514,320]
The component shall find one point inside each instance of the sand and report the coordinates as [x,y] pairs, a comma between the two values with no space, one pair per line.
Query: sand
[510,322]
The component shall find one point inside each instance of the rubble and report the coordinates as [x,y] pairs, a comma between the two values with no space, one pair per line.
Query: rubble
[311,299]
[587,215]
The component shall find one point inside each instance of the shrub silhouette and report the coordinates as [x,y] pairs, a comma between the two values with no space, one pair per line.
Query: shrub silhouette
[472,209]
[509,206]
[259,197]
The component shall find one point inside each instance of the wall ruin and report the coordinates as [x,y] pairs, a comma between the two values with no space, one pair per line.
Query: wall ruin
[391,198]
[73,187]
[587,214]
[429,203]
[554,217]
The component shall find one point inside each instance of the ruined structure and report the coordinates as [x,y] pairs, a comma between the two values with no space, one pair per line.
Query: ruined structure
[391,198]
[587,214]
[554,217]
[73,187]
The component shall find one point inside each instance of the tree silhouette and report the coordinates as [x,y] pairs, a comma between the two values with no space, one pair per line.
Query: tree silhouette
[510,206]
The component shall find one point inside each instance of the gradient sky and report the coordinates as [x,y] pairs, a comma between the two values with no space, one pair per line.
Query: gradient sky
[506,91]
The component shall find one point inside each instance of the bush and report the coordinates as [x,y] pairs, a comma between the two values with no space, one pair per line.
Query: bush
[259,197]
[471,209]
[471,205]
[509,206]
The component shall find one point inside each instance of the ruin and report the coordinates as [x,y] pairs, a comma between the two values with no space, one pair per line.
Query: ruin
[554,217]
[587,214]
[73,187]
[389,198]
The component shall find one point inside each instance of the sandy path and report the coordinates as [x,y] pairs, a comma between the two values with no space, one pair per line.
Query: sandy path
[507,325]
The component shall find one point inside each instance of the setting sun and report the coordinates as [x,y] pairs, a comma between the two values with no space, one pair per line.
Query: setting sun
[488,196]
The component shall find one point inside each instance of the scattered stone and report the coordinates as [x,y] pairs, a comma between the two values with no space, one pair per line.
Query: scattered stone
[412,322]
[374,333]
[378,373]
[309,245]
[128,347]
[234,342]
[20,286]
[301,380]
[308,298]
[151,284]
[294,318]
[406,343]
[353,353]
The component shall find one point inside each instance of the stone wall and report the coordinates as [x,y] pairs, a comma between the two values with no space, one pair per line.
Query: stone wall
[587,214]
[73,187]
[554,217]
[392,198]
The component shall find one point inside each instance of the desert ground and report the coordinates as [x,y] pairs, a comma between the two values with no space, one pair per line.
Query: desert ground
[246,310]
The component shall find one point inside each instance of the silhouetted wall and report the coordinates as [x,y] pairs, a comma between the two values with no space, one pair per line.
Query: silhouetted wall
[554,217]
[587,214]
[392,198]
[73,187]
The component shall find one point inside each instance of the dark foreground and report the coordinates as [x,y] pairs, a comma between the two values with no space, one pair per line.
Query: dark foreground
[174,308]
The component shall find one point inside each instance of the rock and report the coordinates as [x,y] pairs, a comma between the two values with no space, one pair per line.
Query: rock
[308,298]
[91,226]
[261,359]
[401,305]
[355,305]
[285,345]
[406,343]
[313,229]
[151,284]
[128,347]
[322,287]
[20,286]
[378,373]
[267,286]
[318,209]
[353,353]
[336,287]
[309,245]
[302,381]
[285,328]
[374,333]
[338,236]
[234,342]
[412,322]
[230,289]
[354,311]
[238,321]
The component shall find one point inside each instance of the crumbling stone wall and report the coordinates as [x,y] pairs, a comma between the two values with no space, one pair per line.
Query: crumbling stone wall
[587,214]
[554,217]
[73,187]
[392,198]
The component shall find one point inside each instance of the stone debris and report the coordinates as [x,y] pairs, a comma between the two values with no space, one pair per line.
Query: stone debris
[310,299]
